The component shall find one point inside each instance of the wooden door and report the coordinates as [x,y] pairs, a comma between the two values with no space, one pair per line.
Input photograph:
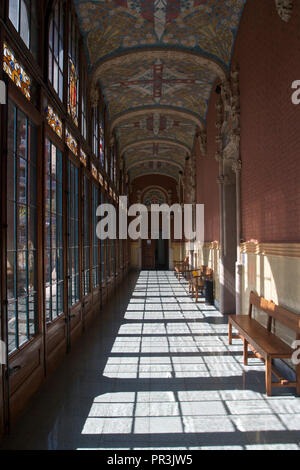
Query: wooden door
[148,254]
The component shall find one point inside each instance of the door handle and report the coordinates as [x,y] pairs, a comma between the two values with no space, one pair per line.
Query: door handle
[69,318]
[13,370]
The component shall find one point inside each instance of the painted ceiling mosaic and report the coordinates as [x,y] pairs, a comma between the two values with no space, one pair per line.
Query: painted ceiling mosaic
[156,126]
[156,152]
[206,26]
[157,79]
[155,168]
[158,57]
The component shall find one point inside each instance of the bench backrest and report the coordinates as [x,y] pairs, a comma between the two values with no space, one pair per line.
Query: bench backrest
[284,316]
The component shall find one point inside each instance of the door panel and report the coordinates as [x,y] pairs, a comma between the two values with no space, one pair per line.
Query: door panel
[148,254]
[26,373]
[1,402]
[87,307]
[56,342]
[75,319]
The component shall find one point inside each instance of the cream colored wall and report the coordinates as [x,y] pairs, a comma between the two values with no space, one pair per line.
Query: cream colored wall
[176,247]
[272,271]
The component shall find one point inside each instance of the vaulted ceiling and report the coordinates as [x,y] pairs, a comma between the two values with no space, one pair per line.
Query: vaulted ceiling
[156,62]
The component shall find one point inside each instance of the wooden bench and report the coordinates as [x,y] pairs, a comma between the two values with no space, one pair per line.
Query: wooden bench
[264,343]
[180,267]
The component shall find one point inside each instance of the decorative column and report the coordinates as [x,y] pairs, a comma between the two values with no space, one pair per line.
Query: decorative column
[228,156]
[237,168]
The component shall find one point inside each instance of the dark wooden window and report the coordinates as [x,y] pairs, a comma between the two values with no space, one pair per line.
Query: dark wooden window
[22,228]
[56,49]
[84,105]
[86,236]
[24,16]
[73,234]
[96,260]
[53,233]
[103,248]
[95,132]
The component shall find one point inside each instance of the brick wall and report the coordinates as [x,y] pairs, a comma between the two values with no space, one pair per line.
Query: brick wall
[147,181]
[267,51]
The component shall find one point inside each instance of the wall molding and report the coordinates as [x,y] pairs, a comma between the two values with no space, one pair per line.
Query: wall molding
[288,250]
[212,245]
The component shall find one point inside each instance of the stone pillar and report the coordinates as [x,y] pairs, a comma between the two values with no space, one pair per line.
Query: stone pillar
[237,168]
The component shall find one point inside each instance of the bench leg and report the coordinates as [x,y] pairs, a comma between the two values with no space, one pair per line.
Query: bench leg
[298,379]
[230,333]
[269,376]
[245,352]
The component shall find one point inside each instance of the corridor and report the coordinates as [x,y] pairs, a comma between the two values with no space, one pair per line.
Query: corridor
[155,371]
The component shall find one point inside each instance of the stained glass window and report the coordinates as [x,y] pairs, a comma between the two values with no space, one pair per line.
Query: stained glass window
[24,16]
[53,233]
[83,157]
[101,142]
[73,234]
[71,142]
[22,225]
[16,72]
[56,49]
[94,172]
[95,131]
[100,179]
[73,92]
[73,62]
[54,121]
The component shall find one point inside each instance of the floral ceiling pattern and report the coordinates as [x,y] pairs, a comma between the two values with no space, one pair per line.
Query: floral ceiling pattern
[206,26]
[158,56]
[156,126]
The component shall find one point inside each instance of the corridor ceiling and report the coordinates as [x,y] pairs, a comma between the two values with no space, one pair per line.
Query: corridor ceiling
[157,61]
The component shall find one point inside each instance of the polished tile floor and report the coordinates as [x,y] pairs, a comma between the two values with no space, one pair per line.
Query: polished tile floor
[155,372]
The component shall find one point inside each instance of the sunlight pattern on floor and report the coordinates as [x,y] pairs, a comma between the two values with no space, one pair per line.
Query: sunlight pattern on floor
[179,383]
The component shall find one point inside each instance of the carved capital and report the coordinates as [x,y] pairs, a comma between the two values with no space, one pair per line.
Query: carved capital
[219,156]
[202,136]
[237,166]
[284,9]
